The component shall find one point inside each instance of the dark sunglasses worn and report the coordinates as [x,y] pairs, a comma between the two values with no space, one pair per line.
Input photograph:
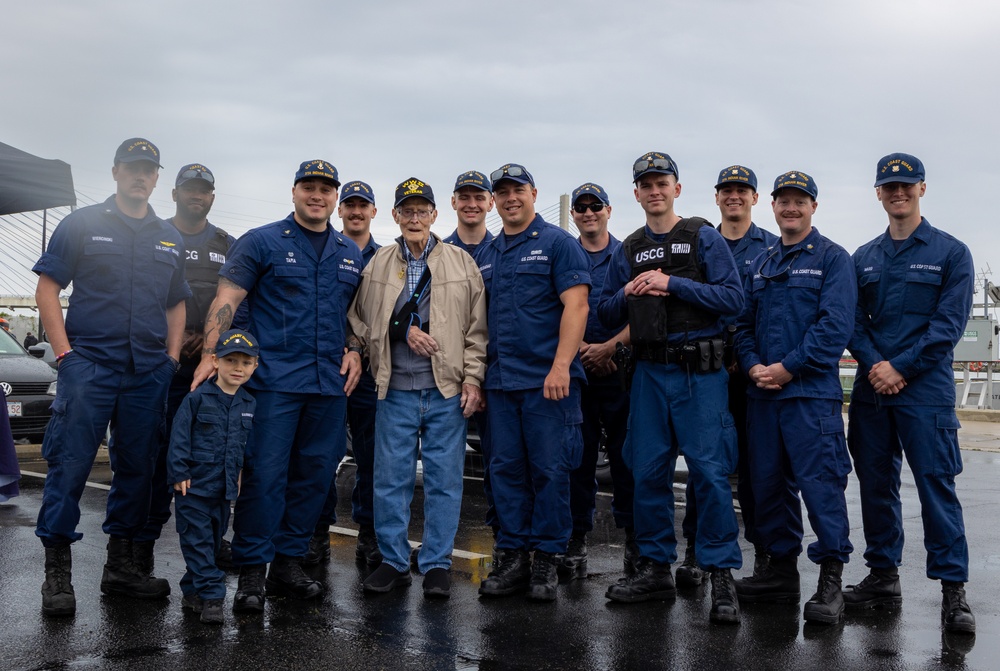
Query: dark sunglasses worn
[198,174]
[580,208]
[644,164]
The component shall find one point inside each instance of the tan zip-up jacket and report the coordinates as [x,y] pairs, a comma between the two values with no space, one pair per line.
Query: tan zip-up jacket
[457,315]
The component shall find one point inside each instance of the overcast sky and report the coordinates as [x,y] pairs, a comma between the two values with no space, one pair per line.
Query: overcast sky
[575,91]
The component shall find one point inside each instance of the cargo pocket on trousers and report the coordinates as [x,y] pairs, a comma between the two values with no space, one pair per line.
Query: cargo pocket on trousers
[835,443]
[948,456]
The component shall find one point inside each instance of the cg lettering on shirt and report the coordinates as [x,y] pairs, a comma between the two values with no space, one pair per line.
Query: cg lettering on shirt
[924,266]
[192,255]
[650,254]
[680,248]
[100,238]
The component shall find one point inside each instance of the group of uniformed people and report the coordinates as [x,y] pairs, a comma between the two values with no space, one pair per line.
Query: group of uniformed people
[728,337]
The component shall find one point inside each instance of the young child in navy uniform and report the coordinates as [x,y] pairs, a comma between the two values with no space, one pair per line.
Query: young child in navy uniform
[204,461]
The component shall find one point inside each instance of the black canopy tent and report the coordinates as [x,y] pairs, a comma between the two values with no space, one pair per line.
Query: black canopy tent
[29,183]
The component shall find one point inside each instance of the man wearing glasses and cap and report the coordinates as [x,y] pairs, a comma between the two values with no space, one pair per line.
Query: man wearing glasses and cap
[735,194]
[537,280]
[790,338]
[117,352]
[672,281]
[205,248]
[603,398]
[356,211]
[299,276]
[915,287]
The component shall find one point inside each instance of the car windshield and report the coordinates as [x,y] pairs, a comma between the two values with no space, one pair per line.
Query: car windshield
[8,345]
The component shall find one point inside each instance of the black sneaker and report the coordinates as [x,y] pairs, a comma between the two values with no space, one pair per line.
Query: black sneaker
[955,611]
[437,584]
[879,589]
[286,578]
[385,579]
[211,612]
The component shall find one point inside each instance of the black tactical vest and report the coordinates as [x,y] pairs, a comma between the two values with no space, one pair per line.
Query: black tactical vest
[652,318]
[201,270]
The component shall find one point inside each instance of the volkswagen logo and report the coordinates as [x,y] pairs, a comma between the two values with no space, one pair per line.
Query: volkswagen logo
[7,389]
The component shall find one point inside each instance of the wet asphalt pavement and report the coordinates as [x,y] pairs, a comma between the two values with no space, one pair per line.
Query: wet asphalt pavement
[582,630]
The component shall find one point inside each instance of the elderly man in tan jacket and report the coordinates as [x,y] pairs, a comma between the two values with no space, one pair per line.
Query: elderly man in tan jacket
[421,312]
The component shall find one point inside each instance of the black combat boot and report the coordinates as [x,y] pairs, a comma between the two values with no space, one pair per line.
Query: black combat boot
[761,559]
[123,577]
[827,605]
[880,589]
[688,573]
[58,597]
[725,606]
[778,582]
[632,555]
[511,575]
[250,589]
[544,576]
[574,562]
[224,556]
[142,555]
[955,611]
[211,612]
[367,550]
[286,578]
[319,549]
[651,581]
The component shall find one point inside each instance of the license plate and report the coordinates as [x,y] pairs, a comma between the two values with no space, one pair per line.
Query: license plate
[14,408]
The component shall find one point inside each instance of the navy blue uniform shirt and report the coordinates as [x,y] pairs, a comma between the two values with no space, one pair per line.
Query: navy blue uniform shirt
[599,264]
[453,239]
[755,241]
[720,293]
[208,439]
[298,305]
[913,305]
[126,273]
[524,280]
[801,317]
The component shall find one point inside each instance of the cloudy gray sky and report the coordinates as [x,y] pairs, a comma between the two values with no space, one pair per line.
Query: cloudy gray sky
[575,91]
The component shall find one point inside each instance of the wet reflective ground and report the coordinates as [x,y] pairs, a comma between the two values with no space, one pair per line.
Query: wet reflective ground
[402,630]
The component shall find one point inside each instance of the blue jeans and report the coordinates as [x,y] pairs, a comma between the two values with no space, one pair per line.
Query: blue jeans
[408,422]
[91,395]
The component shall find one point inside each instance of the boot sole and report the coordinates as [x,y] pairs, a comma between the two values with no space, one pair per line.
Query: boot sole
[568,572]
[686,579]
[507,591]
[64,611]
[960,628]
[543,593]
[788,597]
[315,561]
[114,590]
[724,618]
[402,581]
[277,589]
[815,618]
[241,606]
[878,603]
[662,595]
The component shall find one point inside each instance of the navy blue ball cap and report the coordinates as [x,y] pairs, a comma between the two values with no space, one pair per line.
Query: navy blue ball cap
[654,161]
[317,169]
[475,179]
[513,172]
[236,340]
[796,179]
[195,171]
[899,167]
[137,149]
[737,174]
[590,189]
[414,188]
[357,189]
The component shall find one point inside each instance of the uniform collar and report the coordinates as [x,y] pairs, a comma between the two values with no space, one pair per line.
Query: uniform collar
[112,206]
[291,230]
[597,258]
[533,230]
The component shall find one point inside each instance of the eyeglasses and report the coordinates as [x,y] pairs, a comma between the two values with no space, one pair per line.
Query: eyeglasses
[198,174]
[408,213]
[580,208]
[508,171]
[644,164]
[781,274]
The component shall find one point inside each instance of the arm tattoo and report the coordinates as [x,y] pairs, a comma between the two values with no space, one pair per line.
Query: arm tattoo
[223,320]
[354,341]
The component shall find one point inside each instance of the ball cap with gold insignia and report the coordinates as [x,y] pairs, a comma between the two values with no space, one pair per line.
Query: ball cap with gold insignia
[796,179]
[195,171]
[899,167]
[590,189]
[473,178]
[513,172]
[317,169]
[654,161]
[357,189]
[413,188]
[737,174]
[137,149]
[236,340]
